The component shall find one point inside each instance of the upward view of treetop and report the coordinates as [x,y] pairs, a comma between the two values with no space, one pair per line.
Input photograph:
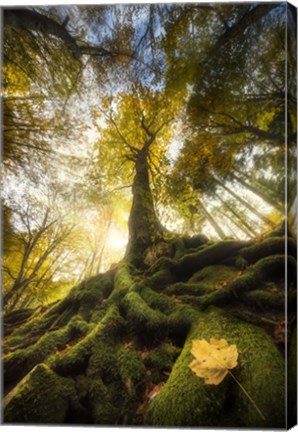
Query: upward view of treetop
[142,146]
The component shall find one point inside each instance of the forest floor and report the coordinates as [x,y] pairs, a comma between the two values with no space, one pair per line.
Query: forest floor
[117,349]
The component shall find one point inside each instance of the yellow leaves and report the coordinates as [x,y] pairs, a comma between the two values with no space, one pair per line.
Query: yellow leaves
[213,359]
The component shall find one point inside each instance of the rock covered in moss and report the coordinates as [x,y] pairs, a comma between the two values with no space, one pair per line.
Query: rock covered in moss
[41,397]
[186,401]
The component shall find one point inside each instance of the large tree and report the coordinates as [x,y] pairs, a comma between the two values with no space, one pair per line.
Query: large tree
[117,349]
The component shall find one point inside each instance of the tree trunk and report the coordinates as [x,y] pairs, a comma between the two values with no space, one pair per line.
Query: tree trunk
[231,224]
[246,204]
[243,225]
[143,224]
[259,193]
[211,220]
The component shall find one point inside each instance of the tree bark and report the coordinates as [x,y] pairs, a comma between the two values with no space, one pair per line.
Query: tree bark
[143,223]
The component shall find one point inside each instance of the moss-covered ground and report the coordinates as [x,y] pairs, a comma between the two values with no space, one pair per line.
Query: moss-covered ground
[116,350]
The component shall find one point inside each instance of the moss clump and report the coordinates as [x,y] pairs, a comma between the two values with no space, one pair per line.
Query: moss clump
[103,403]
[17,316]
[270,246]
[208,256]
[264,299]
[266,269]
[17,364]
[292,381]
[160,279]
[90,292]
[123,282]
[157,300]
[183,288]
[164,263]
[133,376]
[179,247]
[213,275]
[41,323]
[76,359]
[41,397]
[160,361]
[149,324]
[180,322]
[186,401]
[131,370]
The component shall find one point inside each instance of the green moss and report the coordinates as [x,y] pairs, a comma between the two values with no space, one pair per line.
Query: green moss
[179,247]
[214,274]
[17,316]
[17,364]
[40,323]
[123,282]
[182,288]
[102,401]
[133,376]
[41,397]
[208,256]
[264,299]
[265,269]
[131,369]
[186,401]
[163,263]
[292,381]
[161,360]
[160,279]
[192,300]
[148,323]
[180,322]
[157,300]
[241,263]
[102,361]
[117,382]
[270,246]
[118,375]
[76,359]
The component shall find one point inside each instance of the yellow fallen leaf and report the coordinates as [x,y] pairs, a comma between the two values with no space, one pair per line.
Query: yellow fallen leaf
[212,362]
[213,359]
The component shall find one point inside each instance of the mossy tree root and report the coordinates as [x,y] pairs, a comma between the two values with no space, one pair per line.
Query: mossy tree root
[186,401]
[269,246]
[267,268]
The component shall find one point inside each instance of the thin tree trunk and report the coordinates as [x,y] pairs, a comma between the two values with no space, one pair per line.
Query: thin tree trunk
[210,219]
[246,204]
[243,225]
[236,224]
[259,193]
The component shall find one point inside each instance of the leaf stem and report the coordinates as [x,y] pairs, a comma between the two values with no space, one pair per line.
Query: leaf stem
[247,395]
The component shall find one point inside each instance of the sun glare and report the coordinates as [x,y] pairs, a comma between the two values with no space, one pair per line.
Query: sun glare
[117,239]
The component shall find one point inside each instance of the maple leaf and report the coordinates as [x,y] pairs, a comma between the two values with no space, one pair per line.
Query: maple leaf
[213,359]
